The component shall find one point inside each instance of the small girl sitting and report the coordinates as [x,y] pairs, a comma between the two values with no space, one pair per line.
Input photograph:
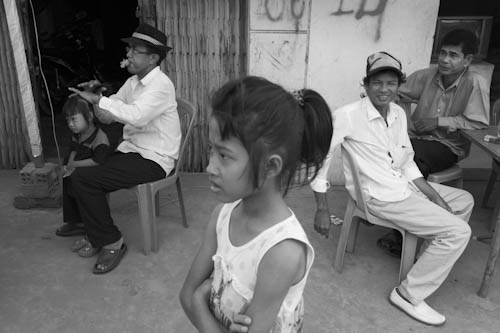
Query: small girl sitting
[255,257]
[89,147]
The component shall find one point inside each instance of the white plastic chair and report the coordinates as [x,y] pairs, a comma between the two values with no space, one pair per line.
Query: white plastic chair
[356,209]
[454,173]
[148,193]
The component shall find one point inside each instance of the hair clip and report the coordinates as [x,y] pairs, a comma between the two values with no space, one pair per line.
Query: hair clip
[299,96]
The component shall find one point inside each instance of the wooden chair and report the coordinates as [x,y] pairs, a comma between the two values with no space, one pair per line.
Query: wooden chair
[455,174]
[148,194]
[356,209]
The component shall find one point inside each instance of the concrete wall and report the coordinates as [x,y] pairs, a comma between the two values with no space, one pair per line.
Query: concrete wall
[344,33]
[323,44]
[278,40]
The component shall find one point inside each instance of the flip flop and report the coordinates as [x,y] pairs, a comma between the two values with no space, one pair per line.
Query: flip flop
[88,251]
[79,244]
[70,229]
[109,259]
[391,244]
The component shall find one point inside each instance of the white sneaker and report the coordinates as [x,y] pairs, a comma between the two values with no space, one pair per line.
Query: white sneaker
[421,311]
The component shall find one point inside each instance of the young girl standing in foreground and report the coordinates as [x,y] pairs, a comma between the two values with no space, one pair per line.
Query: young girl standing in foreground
[255,256]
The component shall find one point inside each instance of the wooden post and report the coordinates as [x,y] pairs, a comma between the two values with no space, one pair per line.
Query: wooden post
[492,259]
[21,64]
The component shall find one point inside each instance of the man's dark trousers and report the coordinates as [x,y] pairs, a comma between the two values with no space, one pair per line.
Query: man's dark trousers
[90,185]
[432,156]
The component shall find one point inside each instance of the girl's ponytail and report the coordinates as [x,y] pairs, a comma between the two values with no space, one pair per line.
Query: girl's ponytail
[318,130]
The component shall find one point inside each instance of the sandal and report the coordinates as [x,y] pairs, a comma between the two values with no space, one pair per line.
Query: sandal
[391,243]
[109,259]
[79,244]
[70,229]
[88,251]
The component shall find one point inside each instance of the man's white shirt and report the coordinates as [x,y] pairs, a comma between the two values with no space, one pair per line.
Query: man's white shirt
[148,109]
[383,151]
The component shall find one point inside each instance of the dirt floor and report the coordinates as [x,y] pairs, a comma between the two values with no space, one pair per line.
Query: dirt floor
[44,287]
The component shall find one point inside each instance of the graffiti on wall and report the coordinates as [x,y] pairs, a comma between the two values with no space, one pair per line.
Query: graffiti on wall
[275,10]
[295,11]
[362,12]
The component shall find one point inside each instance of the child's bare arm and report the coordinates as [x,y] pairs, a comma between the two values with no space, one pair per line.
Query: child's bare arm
[201,268]
[71,157]
[67,169]
[200,306]
[281,267]
[201,298]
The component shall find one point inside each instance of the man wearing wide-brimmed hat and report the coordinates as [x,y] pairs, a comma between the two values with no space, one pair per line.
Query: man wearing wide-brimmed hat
[374,131]
[146,105]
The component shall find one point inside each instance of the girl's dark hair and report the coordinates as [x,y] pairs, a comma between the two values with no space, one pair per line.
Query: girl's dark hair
[269,120]
[77,105]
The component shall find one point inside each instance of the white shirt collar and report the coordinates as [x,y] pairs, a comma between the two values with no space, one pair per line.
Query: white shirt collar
[148,77]
[373,113]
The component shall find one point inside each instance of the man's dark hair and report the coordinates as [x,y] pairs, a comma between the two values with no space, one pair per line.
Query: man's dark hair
[461,37]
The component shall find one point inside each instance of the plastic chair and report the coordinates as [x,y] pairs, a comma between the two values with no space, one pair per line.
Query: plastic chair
[455,173]
[356,209]
[148,193]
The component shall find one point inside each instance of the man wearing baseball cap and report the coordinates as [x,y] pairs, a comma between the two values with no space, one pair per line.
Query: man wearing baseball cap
[448,97]
[147,107]
[374,131]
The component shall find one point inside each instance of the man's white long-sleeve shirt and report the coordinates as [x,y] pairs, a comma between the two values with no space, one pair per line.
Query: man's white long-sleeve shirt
[383,151]
[148,109]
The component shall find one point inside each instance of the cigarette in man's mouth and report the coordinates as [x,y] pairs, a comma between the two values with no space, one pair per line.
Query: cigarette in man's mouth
[124,63]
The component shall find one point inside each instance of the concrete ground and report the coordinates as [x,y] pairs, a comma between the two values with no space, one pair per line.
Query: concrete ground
[46,288]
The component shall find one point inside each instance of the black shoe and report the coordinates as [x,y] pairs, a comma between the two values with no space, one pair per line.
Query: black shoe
[70,229]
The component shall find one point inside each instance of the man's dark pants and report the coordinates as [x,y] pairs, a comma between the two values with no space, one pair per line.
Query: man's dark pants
[432,156]
[87,188]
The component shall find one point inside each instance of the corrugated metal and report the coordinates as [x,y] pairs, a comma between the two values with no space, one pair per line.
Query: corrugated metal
[14,148]
[209,40]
